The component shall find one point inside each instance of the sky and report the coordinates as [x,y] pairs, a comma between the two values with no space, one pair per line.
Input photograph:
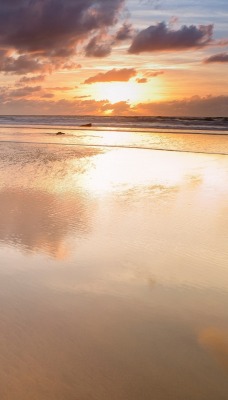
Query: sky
[114,57]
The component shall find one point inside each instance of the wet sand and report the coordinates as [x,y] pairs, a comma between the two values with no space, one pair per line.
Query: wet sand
[114,277]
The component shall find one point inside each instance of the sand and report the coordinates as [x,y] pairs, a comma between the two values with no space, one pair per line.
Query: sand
[114,278]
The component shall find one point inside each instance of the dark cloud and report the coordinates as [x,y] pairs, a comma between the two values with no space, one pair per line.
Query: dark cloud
[114,75]
[159,37]
[61,107]
[217,58]
[22,65]
[95,48]
[101,45]
[54,27]
[196,106]
[25,91]
[209,106]
[8,95]
[31,79]
[82,97]
[29,63]
[70,65]
[147,75]
[119,108]
[125,32]
[61,88]
[48,95]
[3,53]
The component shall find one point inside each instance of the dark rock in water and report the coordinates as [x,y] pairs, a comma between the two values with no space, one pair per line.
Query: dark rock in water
[87,124]
[60,133]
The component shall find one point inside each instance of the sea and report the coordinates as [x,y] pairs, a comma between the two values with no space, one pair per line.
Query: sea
[209,135]
[113,258]
[71,122]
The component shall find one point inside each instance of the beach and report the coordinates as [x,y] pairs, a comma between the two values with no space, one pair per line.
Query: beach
[114,260]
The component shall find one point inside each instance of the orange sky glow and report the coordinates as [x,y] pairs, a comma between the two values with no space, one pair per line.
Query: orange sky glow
[114,57]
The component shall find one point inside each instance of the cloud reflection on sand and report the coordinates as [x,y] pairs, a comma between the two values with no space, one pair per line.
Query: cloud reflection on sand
[215,341]
[40,204]
[39,221]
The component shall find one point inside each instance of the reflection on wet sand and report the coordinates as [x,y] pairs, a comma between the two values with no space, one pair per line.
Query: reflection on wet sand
[215,341]
[56,346]
[39,221]
[116,317]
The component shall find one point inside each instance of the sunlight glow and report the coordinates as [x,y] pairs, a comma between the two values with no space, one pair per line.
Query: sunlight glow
[131,92]
[119,170]
[117,91]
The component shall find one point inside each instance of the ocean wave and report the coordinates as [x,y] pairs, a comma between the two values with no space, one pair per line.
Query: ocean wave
[132,122]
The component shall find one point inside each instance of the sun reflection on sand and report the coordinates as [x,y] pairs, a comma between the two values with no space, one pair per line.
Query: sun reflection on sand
[122,168]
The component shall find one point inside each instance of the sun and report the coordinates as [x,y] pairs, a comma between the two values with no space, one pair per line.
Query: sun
[117,91]
[131,91]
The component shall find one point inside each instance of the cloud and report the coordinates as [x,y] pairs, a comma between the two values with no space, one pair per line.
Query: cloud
[125,32]
[24,91]
[211,106]
[95,48]
[82,97]
[70,65]
[39,106]
[114,75]
[54,28]
[196,106]
[217,58]
[141,80]
[22,65]
[101,45]
[153,74]
[32,79]
[173,21]
[159,37]
[29,63]
[47,95]
[221,42]
[61,88]
[147,75]
[154,3]
[119,108]
[9,94]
